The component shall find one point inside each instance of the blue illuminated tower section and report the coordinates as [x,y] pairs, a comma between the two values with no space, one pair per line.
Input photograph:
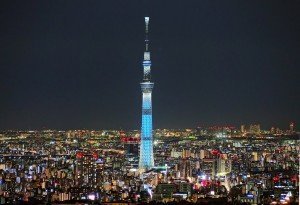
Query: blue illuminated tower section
[146,160]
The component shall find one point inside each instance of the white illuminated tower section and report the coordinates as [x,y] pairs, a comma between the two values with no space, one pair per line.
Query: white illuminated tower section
[146,160]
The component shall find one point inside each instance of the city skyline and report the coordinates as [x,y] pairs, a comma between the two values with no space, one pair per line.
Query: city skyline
[74,66]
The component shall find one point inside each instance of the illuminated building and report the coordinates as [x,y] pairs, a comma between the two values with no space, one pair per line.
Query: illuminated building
[272,131]
[85,169]
[186,153]
[131,144]
[242,128]
[185,168]
[146,160]
[255,129]
[292,127]
[164,190]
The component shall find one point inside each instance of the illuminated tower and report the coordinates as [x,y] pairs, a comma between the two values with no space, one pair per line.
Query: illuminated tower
[146,160]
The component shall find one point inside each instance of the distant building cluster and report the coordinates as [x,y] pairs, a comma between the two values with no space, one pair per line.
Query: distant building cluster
[255,129]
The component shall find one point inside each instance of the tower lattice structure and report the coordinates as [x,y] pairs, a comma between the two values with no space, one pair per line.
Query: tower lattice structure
[146,160]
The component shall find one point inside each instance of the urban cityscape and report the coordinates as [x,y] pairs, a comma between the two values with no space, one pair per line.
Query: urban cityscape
[213,165]
[245,163]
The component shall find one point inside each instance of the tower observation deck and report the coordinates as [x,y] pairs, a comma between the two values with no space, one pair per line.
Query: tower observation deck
[146,159]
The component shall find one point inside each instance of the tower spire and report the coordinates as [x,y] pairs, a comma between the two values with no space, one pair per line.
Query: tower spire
[147,60]
[146,32]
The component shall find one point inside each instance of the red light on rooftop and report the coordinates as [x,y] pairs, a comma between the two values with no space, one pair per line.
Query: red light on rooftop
[276,179]
[196,187]
[129,139]
[294,178]
[204,183]
[79,155]
[95,155]
[215,152]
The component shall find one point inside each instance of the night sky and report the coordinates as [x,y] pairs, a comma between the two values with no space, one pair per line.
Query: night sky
[77,64]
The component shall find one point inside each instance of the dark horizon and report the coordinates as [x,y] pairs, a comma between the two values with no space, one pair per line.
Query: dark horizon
[78,65]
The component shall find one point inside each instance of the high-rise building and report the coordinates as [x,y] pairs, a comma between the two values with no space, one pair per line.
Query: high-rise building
[272,131]
[242,128]
[131,145]
[146,160]
[292,127]
[255,129]
[185,168]
[85,169]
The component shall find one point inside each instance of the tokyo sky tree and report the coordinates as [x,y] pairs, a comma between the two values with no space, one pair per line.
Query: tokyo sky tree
[146,160]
